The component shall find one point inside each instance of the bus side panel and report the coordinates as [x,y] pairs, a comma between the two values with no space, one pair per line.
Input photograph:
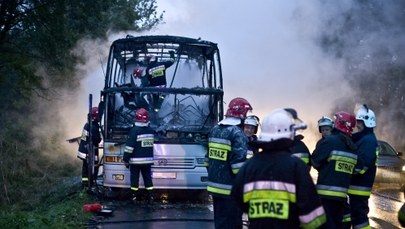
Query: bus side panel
[175,167]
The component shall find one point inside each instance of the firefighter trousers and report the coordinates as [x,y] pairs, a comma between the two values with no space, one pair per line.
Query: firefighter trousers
[359,210]
[226,214]
[85,171]
[334,210]
[146,171]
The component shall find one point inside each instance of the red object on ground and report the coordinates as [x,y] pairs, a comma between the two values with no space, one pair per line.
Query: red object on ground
[92,207]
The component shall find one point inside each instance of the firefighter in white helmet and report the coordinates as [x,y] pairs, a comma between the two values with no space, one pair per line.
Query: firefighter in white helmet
[273,187]
[299,148]
[363,180]
[250,127]
[325,126]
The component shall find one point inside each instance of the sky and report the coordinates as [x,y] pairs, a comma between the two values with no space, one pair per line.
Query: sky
[269,52]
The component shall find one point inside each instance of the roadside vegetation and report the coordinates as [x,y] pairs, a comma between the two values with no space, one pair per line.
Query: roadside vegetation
[36,63]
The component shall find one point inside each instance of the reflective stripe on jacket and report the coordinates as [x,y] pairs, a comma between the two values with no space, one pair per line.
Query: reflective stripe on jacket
[227,148]
[139,146]
[367,146]
[335,163]
[275,188]
[96,139]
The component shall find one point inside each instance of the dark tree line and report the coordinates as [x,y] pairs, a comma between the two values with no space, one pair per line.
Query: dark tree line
[36,39]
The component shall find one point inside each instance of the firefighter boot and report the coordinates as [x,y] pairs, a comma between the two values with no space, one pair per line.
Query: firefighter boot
[150,197]
[134,197]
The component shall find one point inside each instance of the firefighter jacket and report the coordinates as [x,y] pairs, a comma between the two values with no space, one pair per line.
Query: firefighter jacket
[300,150]
[401,215]
[367,147]
[84,140]
[156,72]
[335,162]
[252,150]
[139,146]
[227,148]
[276,191]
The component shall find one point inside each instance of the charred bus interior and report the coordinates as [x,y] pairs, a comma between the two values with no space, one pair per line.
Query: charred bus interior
[182,112]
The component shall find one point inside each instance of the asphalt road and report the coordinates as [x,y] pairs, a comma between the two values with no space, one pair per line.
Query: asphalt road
[193,209]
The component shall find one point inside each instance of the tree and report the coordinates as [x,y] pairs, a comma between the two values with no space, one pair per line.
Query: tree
[36,39]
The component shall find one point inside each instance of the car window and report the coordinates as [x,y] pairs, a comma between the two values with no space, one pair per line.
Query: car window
[386,150]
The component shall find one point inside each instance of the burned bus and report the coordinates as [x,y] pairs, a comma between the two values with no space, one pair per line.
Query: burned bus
[182,109]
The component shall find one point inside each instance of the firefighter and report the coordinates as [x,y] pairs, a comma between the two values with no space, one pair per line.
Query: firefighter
[84,141]
[250,127]
[156,75]
[325,126]
[138,154]
[274,188]
[362,182]
[299,149]
[335,159]
[227,150]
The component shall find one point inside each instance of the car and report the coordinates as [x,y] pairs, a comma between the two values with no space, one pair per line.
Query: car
[390,165]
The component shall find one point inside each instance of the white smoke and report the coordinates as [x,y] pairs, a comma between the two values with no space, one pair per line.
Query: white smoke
[270,50]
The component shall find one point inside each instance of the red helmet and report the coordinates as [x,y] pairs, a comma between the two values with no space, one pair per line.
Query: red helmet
[238,107]
[94,113]
[137,72]
[345,122]
[142,115]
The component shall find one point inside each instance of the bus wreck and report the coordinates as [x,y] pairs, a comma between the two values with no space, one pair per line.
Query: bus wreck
[182,110]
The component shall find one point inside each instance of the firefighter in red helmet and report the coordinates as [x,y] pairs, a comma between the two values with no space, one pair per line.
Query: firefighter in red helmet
[84,141]
[138,154]
[227,150]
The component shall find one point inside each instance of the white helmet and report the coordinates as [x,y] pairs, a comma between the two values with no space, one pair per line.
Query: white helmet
[325,121]
[367,115]
[277,125]
[252,120]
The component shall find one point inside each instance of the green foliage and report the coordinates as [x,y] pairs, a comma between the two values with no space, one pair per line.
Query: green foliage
[57,212]
[36,61]
[41,34]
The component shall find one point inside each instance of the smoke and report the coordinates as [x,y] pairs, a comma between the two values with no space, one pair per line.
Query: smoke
[369,37]
[269,53]
[318,57]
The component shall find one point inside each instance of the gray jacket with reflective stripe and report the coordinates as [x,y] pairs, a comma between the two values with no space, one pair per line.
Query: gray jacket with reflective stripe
[226,154]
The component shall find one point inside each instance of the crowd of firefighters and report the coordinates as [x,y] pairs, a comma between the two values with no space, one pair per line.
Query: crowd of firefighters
[267,176]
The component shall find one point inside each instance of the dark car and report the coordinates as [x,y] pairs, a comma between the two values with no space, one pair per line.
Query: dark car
[390,166]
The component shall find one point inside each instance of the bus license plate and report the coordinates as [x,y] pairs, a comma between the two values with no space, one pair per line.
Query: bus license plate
[164,175]
[118,176]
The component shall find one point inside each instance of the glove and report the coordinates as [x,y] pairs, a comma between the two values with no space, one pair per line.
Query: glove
[171,52]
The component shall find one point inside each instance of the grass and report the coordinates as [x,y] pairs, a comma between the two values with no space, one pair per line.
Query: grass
[60,208]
